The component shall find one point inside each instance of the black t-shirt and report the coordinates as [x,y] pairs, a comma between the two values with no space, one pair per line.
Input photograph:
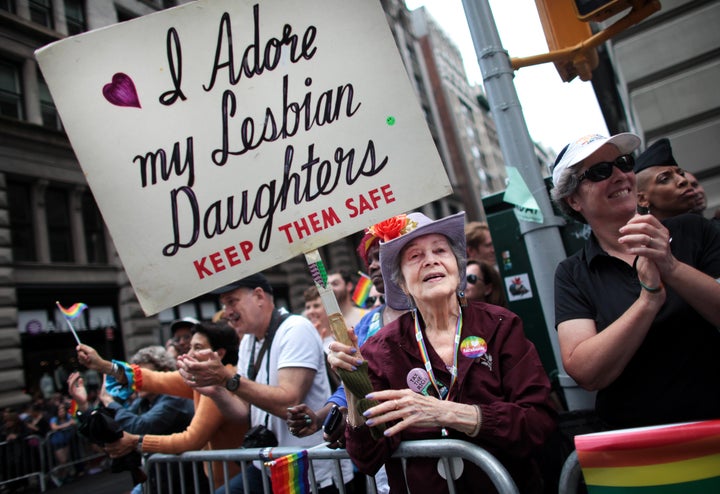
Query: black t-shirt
[675,373]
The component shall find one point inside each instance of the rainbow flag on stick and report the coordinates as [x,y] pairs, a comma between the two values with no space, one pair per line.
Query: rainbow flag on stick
[362,289]
[289,474]
[72,313]
[667,459]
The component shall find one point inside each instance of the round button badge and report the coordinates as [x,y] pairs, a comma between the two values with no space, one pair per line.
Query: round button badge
[473,347]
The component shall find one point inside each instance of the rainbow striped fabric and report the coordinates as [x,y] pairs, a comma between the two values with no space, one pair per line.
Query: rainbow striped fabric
[289,474]
[362,290]
[667,459]
[74,311]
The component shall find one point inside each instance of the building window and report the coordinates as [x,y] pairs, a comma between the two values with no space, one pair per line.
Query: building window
[10,93]
[50,117]
[75,17]
[41,12]
[94,231]
[8,5]
[21,220]
[57,212]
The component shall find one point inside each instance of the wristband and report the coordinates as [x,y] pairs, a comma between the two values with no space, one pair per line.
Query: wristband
[650,289]
[138,448]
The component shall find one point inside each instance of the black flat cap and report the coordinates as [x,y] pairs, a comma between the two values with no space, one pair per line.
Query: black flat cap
[658,154]
[253,281]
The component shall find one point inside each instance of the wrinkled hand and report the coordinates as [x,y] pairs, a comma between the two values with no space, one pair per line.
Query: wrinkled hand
[89,357]
[302,421]
[204,368]
[408,408]
[76,390]
[126,444]
[344,356]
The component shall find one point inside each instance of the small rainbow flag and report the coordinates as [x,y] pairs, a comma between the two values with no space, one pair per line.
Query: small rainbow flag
[667,459]
[362,289]
[74,311]
[289,474]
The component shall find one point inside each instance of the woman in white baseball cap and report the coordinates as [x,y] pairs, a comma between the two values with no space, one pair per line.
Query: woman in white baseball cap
[636,312]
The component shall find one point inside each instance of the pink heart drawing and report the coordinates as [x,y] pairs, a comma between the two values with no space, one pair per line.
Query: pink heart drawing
[121,91]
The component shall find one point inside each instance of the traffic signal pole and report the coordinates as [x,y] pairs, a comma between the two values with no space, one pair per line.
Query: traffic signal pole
[543,241]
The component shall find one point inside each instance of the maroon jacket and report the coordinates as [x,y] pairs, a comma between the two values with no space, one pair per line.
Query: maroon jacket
[508,383]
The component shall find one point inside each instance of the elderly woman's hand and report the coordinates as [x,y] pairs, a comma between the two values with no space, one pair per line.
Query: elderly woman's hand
[412,409]
[345,356]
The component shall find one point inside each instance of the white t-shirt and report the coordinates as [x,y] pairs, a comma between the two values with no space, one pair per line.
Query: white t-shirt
[296,344]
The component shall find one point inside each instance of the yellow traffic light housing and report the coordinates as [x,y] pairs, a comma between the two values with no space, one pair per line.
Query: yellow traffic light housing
[562,30]
[571,42]
[599,10]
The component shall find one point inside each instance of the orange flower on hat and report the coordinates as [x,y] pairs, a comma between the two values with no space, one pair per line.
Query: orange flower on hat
[392,228]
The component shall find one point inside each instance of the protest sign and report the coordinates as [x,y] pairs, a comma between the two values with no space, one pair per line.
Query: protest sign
[223,137]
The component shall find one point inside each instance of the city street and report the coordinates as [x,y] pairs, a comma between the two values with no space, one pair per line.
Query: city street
[104,482]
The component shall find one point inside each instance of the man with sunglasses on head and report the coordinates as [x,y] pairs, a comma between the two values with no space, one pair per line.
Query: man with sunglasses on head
[636,313]
[663,189]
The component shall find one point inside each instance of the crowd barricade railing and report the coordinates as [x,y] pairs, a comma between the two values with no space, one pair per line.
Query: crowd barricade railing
[22,459]
[161,464]
[80,451]
[570,475]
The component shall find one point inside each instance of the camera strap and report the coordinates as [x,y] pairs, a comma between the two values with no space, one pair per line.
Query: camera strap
[254,365]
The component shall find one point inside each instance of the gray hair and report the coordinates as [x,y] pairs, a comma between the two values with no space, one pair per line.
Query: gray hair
[396,272]
[567,184]
[156,356]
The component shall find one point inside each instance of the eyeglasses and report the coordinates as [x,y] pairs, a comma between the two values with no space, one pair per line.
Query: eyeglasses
[602,171]
[472,279]
[370,301]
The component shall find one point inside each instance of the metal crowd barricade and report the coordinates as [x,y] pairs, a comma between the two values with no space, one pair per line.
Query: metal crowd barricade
[81,451]
[22,459]
[571,475]
[444,449]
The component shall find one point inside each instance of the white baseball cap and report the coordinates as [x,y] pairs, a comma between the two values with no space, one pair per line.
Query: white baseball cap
[578,150]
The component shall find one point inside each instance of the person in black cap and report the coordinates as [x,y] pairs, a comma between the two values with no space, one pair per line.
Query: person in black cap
[180,336]
[281,363]
[662,187]
[636,308]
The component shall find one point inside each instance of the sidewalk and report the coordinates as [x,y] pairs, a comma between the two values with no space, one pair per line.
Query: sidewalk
[104,482]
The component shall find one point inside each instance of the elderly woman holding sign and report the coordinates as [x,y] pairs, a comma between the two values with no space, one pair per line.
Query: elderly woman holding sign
[448,368]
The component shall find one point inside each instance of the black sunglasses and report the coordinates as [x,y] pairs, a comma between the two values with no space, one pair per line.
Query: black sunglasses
[602,171]
[472,279]
[370,301]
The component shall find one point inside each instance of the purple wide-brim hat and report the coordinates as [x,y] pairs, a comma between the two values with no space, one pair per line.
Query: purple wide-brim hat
[453,227]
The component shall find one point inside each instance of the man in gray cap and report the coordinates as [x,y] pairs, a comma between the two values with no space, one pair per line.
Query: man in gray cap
[180,336]
[662,187]
[281,364]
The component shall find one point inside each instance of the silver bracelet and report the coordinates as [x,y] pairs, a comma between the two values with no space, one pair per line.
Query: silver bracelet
[476,430]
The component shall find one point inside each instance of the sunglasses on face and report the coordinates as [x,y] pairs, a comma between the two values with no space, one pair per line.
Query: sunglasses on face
[370,301]
[602,171]
[472,279]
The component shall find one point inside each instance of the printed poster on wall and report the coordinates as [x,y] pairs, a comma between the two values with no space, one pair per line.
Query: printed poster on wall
[220,138]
